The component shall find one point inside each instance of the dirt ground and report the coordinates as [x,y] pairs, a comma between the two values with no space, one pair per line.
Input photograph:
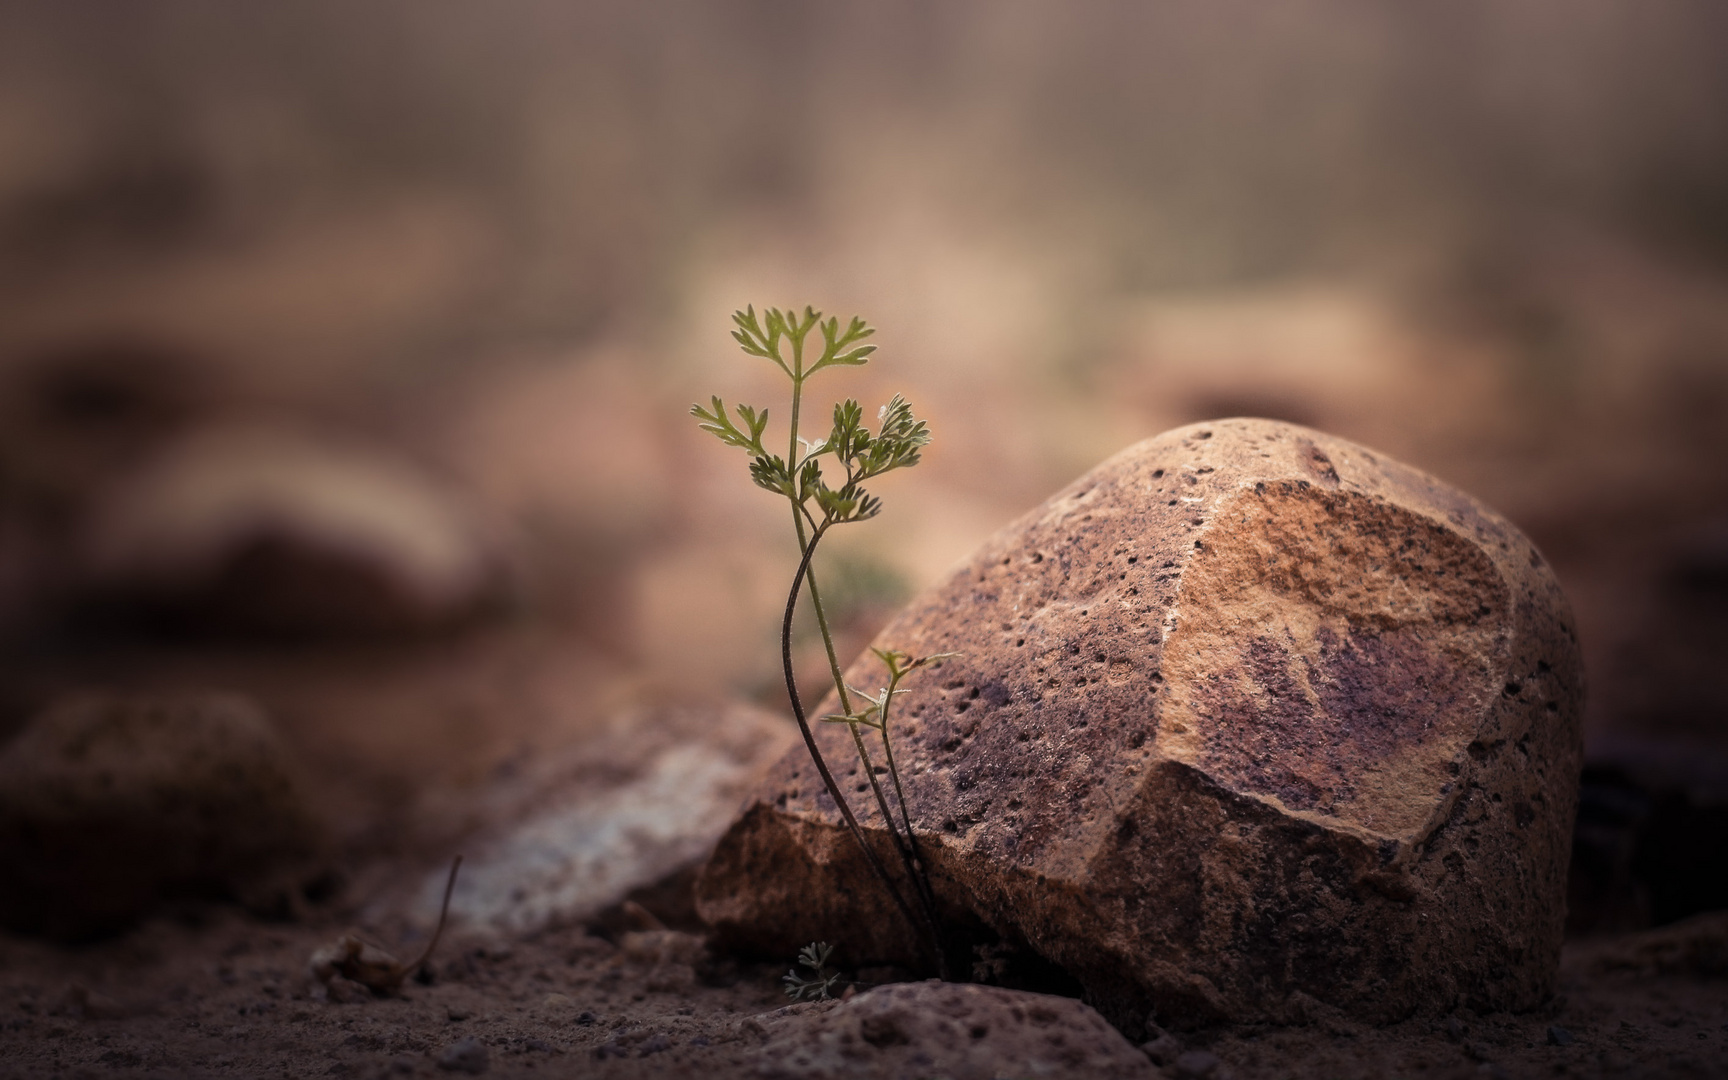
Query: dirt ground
[212,993]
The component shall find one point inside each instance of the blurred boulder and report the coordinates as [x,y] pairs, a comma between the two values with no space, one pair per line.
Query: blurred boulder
[1695,948]
[1247,716]
[109,803]
[1649,849]
[274,531]
[72,417]
[77,414]
[966,1032]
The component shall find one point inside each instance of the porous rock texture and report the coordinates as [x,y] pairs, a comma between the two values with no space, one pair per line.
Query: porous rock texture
[109,802]
[947,1029]
[1245,719]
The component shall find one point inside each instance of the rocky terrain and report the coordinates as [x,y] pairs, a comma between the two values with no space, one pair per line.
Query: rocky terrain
[351,519]
[578,945]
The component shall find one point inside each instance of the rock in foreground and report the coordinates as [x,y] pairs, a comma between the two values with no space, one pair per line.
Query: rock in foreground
[1246,717]
[946,1029]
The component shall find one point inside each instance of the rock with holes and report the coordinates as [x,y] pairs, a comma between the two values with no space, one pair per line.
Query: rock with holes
[946,1029]
[1248,720]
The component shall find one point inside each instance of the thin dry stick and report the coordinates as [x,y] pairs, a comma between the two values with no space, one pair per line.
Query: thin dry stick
[443,913]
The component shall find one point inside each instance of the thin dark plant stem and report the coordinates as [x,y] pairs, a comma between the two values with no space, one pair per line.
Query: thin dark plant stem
[908,856]
[834,791]
[922,873]
[443,913]
[904,847]
[904,844]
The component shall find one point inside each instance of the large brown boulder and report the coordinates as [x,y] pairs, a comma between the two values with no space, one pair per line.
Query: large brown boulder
[1246,717]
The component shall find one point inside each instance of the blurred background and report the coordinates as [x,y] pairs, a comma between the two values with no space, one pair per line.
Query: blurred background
[346,350]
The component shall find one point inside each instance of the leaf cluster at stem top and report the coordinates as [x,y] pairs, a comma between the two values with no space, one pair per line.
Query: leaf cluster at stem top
[819,984]
[859,453]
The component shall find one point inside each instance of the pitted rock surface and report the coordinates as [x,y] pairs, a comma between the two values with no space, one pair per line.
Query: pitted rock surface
[1245,718]
[952,1030]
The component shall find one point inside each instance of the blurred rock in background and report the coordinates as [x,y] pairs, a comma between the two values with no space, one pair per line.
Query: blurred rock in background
[109,804]
[251,529]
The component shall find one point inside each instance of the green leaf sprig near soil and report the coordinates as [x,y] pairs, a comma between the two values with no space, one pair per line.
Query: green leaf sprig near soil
[823,483]
[819,984]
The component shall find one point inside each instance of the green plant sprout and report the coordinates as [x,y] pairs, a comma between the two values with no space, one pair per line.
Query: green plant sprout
[818,506]
[819,984]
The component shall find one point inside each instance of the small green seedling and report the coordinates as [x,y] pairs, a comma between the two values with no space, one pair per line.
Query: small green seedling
[819,984]
[821,501]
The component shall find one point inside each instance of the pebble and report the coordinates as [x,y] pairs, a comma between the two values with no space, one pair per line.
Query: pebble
[1197,1064]
[345,991]
[80,1001]
[1163,1048]
[466,1056]
[457,1015]
[1559,1036]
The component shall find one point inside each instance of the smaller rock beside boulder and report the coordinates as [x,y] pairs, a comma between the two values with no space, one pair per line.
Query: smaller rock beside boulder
[572,831]
[961,1031]
[108,802]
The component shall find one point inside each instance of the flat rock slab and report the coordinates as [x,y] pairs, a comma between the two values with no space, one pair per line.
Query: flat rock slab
[911,1030]
[1246,718]
[569,833]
